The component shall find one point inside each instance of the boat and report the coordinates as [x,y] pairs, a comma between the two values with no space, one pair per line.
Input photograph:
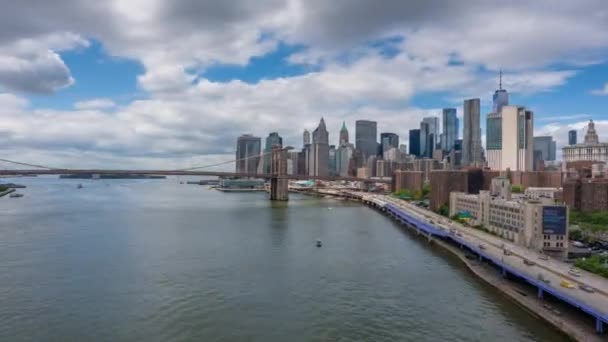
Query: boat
[15,195]
[329,208]
[319,243]
[79,186]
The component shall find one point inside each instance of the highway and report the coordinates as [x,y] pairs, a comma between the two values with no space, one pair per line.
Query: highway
[552,270]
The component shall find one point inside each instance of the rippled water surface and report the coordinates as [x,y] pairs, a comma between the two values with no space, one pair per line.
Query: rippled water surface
[161,261]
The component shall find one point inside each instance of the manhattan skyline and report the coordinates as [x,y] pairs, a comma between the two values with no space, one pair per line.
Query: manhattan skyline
[137,89]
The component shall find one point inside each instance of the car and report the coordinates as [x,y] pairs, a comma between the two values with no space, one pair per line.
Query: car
[459,234]
[481,246]
[543,257]
[566,284]
[506,252]
[586,288]
[529,262]
[574,272]
[543,279]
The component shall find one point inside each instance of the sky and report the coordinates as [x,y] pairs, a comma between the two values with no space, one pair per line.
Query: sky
[171,84]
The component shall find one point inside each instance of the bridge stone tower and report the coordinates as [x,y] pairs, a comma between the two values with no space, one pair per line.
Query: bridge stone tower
[278,170]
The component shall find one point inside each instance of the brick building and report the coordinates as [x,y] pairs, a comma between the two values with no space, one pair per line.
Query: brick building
[408,180]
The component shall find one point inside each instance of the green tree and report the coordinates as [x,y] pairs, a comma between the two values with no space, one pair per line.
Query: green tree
[517,189]
[426,190]
[444,210]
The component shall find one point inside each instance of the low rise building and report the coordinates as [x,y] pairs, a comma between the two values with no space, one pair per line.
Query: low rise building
[535,223]
[408,180]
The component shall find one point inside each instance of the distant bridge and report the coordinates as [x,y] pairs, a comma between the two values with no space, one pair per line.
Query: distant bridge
[278,175]
[27,172]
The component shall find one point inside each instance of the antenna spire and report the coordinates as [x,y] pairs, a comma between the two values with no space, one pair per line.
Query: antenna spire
[500,79]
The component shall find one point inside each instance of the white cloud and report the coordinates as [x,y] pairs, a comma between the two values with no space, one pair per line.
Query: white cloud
[95,104]
[601,92]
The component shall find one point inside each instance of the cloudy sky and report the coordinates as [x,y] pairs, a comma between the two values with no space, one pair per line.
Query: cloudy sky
[149,83]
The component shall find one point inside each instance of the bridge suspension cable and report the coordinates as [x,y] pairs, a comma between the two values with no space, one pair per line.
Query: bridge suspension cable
[28,164]
[224,163]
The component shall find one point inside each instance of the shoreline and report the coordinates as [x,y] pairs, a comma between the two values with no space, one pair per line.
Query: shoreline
[6,192]
[565,324]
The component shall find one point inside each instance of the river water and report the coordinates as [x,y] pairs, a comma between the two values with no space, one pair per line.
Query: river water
[156,260]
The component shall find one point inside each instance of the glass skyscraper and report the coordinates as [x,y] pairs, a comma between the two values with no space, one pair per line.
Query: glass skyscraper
[471,136]
[450,129]
[388,140]
[500,98]
[415,142]
[572,137]
[429,132]
[366,135]
[248,150]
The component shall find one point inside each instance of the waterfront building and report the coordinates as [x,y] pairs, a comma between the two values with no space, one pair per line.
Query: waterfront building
[517,139]
[387,141]
[536,223]
[319,151]
[572,137]
[590,150]
[408,180]
[429,132]
[450,129]
[293,161]
[343,134]
[366,135]
[471,137]
[273,139]
[415,142]
[248,148]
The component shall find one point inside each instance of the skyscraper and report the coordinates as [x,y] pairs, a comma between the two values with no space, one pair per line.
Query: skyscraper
[388,140]
[343,134]
[572,137]
[471,136]
[273,139]
[517,139]
[450,129]
[366,135]
[429,133]
[343,156]
[494,141]
[306,137]
[500,98]
[319,153]
[546,146]
[415,142]
[248,150]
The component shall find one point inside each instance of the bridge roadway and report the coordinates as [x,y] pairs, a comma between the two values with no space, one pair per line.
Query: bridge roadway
[186,173]
[595,304]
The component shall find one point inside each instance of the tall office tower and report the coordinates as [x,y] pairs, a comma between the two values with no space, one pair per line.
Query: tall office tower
[306,137]
[572,137]
[366,133]
[248,150]
[517,139]
[494,141]
[319,153]
[429,133]
[500,98]
[331,163]
[403,149]
[273,139]
[471,136]
[546,146]
[388,140]
[343,134]
[343,155]
[450,129]
[415,142]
